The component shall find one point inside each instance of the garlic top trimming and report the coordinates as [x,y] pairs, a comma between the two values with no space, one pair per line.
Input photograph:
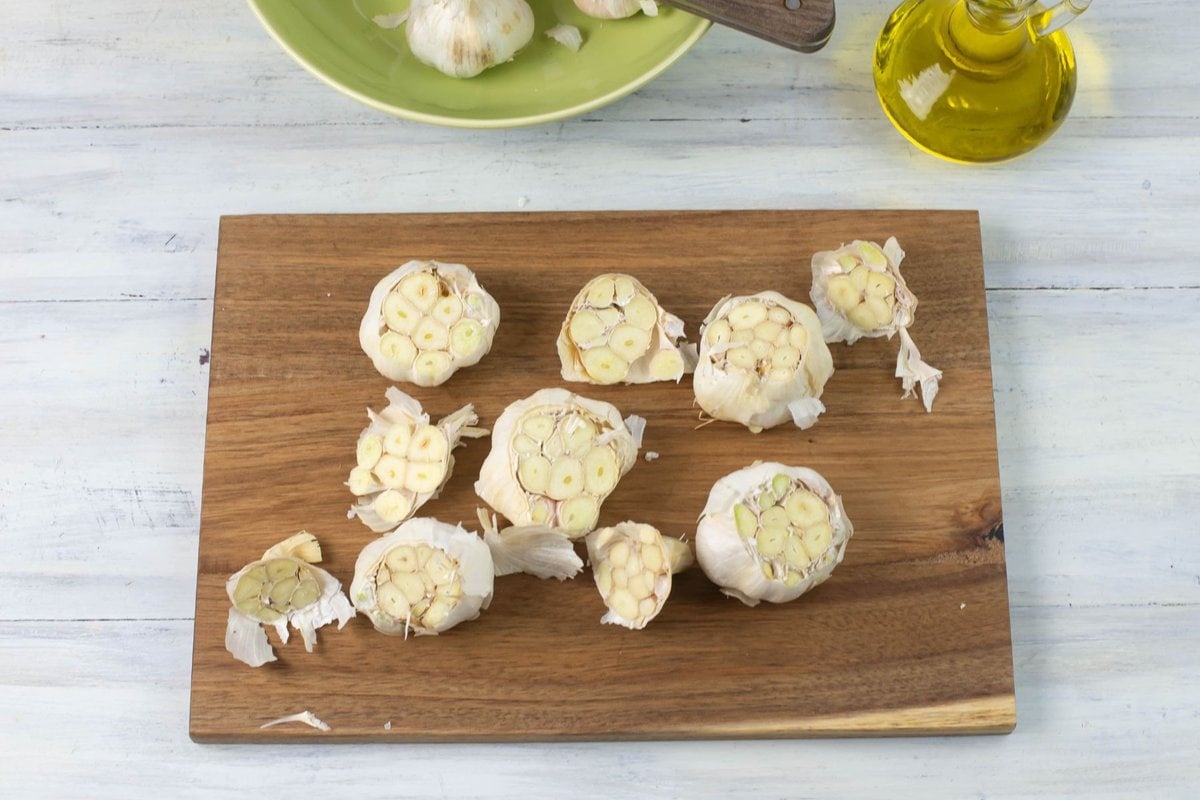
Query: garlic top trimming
[462,38]
[403,460]
[858,292]
[281,588]
[632,565]
[555,457]
[763,361]
[616,332]
[426,320]
[771,532]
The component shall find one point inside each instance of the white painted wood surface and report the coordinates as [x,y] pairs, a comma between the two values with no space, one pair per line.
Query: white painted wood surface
[126,129]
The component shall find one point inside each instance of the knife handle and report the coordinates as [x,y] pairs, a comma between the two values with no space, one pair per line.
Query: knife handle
[803,25]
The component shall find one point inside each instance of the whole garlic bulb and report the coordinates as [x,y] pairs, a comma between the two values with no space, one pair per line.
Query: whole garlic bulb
[425,577]
[771,532]
[462,38]
[616,332]
[632,565]
[617,9]
[280,588]
[763,361]
[858,292]
[403,460]
[426,320]
[555,457]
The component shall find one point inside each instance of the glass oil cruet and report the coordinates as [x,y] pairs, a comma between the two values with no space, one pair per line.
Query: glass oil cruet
[977,80]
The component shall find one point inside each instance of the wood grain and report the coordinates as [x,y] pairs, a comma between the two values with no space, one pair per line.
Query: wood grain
[910,636]
[805,28]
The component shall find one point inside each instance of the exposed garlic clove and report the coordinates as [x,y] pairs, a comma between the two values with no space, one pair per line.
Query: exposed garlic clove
[632,565]
[426,320]
[279,589]
[462,38]
[424,578]
[858,292]
[749,373]
[771,532]
[416,459]
[555,457]
[616,332]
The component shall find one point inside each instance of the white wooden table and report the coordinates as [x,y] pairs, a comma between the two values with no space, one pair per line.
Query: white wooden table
[127,127]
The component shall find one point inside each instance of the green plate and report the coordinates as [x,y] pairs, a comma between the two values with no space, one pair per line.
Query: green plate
[338,42]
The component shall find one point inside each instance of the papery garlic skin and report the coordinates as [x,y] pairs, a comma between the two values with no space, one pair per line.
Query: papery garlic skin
[555,458]
[858,291]
[424,578]
[616,9]
[532,549]
[403,461]
[281,588]
[771,532]
[426,320]
[763,361]
[632,565]
[462,38]
[616,332]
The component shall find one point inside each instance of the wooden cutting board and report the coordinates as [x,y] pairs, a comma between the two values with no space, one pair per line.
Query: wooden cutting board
[910,635]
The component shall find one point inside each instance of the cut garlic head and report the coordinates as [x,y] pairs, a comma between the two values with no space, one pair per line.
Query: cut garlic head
[281,588]
[632,565]
[762,362]
[616,332]
[858,292]
[462,38]
[771,532]
[617,9]
[426,320]
[555,457]
[425,577]
[403,461]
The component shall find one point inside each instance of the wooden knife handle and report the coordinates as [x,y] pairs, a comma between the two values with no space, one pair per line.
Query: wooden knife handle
[803,25]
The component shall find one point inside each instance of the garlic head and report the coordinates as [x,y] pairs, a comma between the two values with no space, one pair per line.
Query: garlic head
[632,565]
[425,577]
[555,458]
[858,292]
[281,588]
[763,361]
[462,38]
[617,9]
[426,320]
[616,332]
[771,532]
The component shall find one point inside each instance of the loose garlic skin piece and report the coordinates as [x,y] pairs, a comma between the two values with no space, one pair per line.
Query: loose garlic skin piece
[403,460]
[616,332]
[426,320]
[616,9]
[555,458]
[632,565]
[281,588]
[462,38]
[424,578]
[858,292]
[771,532]
[763,362]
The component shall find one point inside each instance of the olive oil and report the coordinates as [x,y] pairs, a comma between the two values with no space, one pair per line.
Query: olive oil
[975,80]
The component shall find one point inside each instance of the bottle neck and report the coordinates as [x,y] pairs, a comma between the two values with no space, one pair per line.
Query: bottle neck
[990,30]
